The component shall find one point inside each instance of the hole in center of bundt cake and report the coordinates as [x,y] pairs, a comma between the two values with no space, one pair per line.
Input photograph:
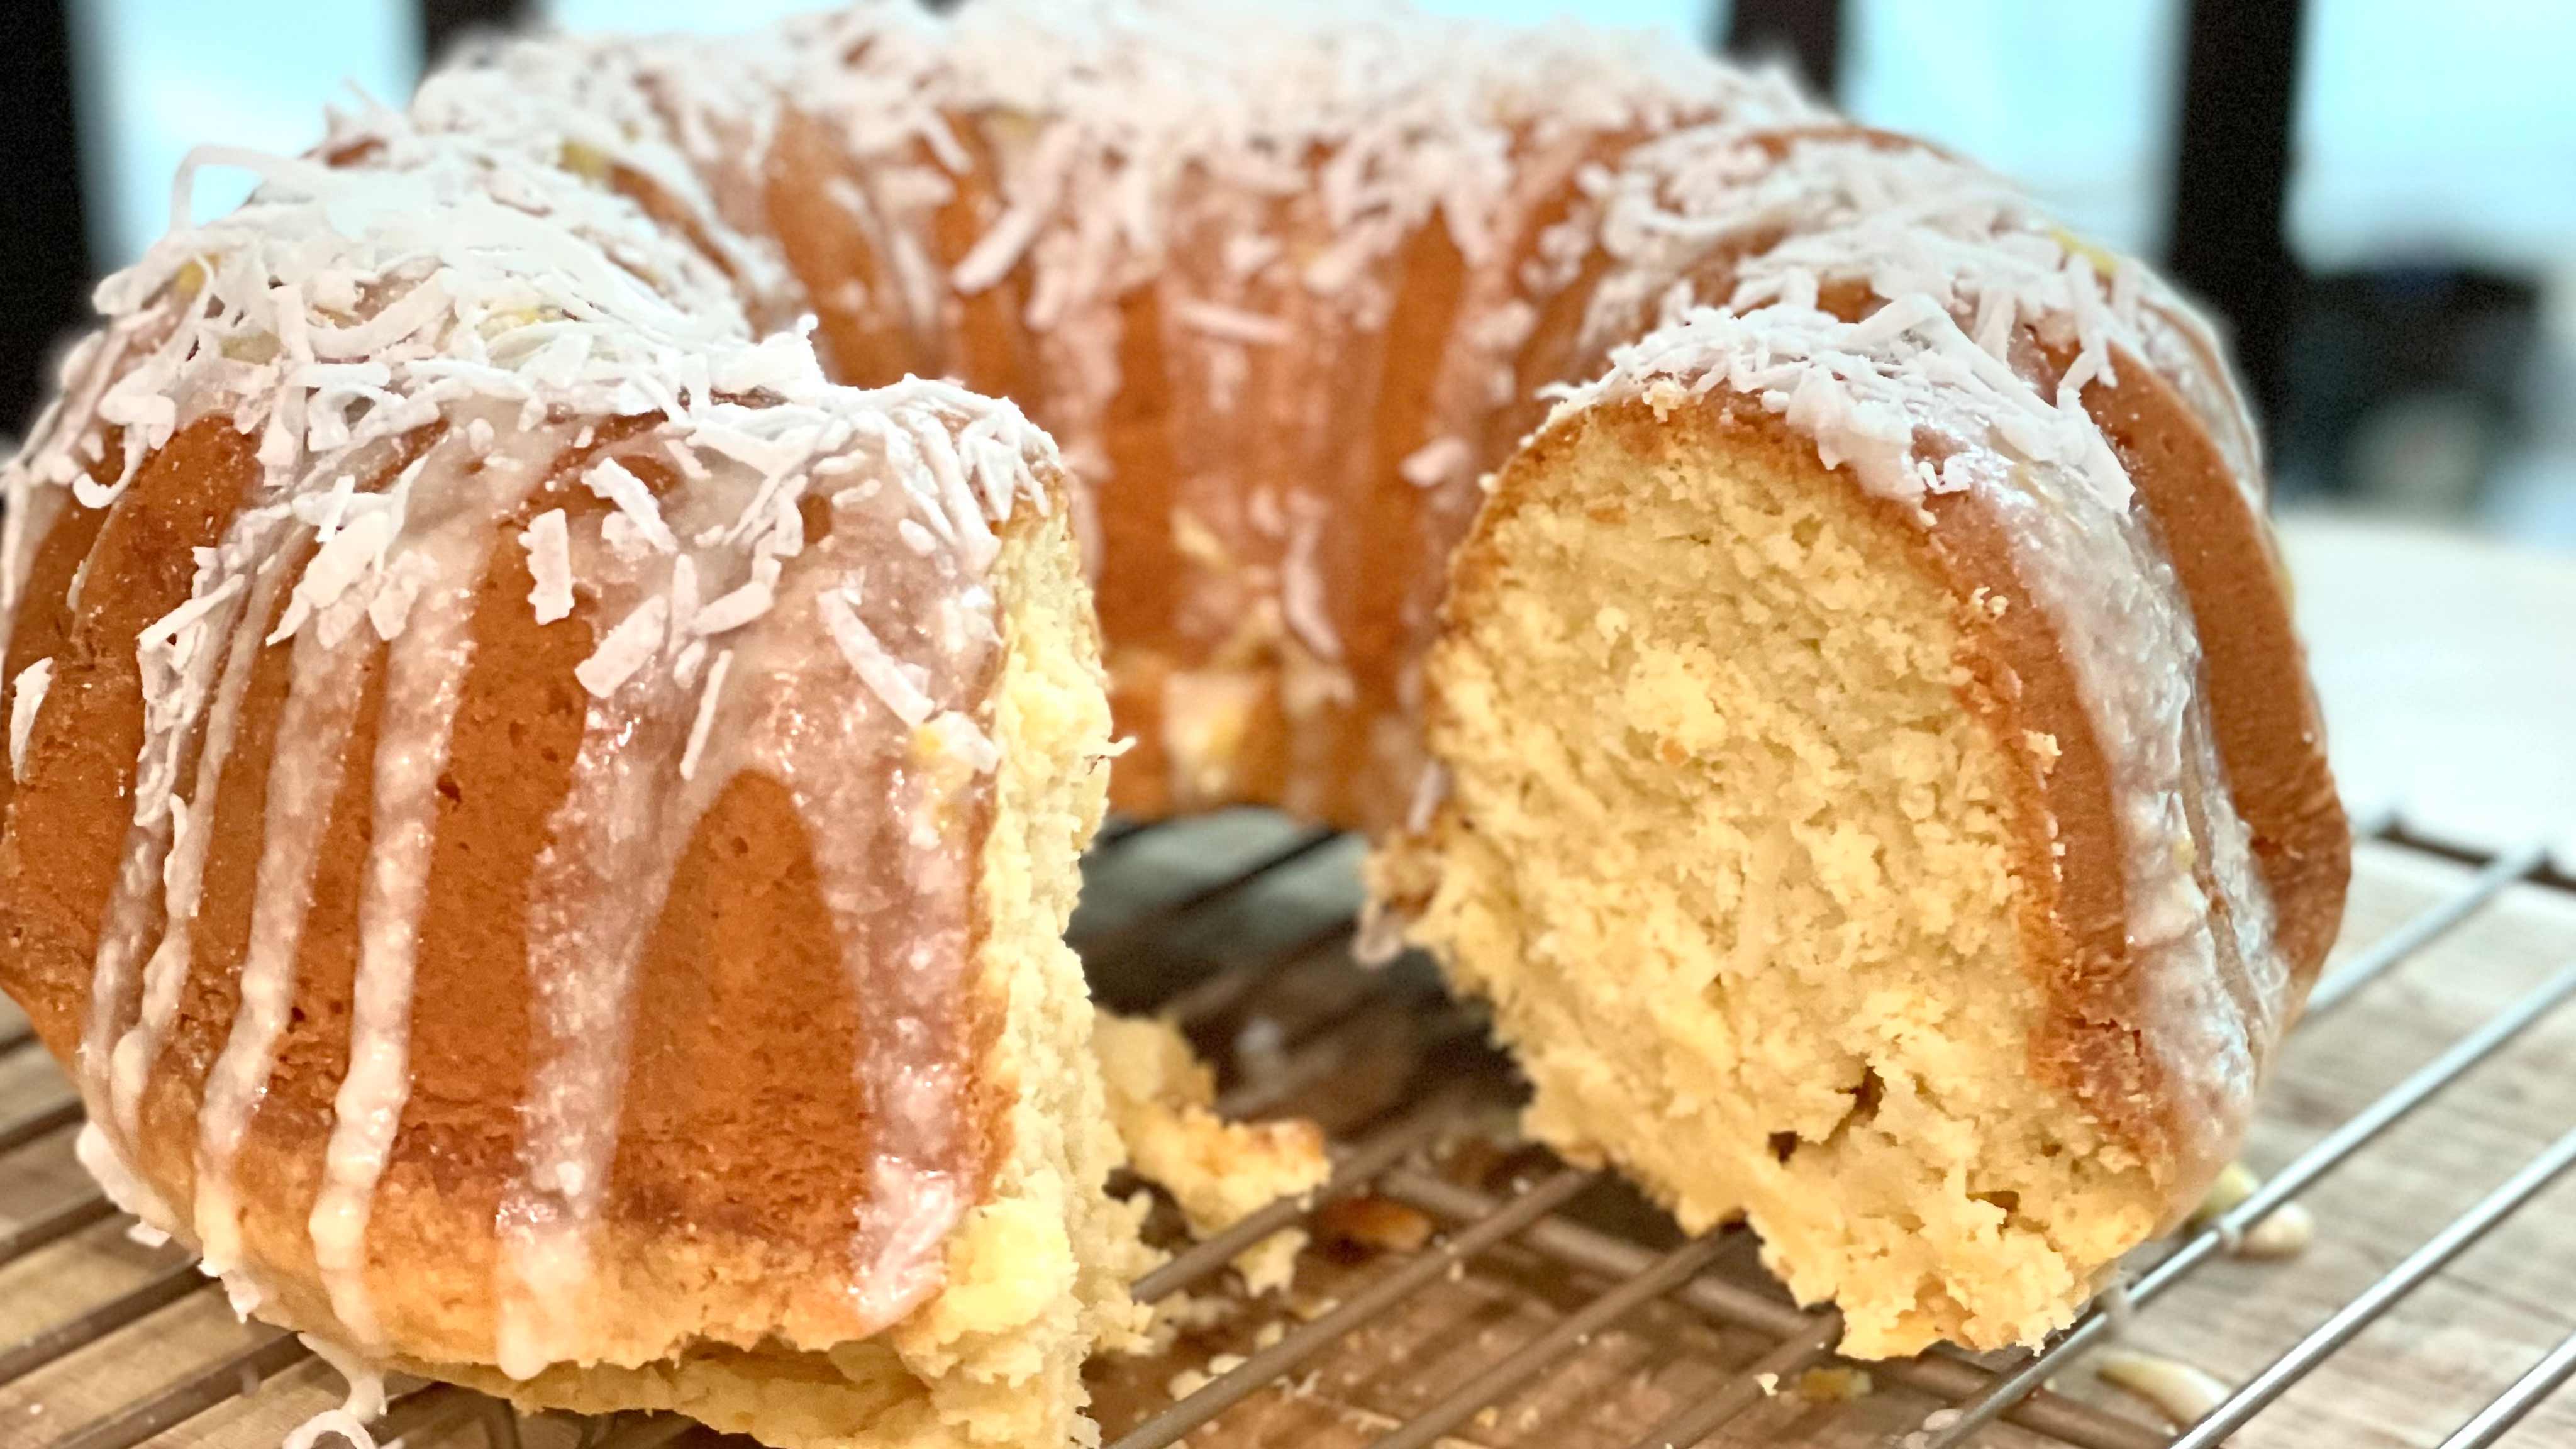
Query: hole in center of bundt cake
[1735,864]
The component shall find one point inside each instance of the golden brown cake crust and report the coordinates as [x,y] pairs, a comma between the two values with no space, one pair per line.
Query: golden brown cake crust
[2265,712]
[732,1167]
[1287,367]
[134,565]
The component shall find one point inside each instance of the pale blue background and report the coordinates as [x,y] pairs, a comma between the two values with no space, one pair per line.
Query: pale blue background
[2441,134]
[2456,136]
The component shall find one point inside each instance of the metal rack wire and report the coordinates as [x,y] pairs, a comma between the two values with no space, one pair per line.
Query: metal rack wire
[1387,1162]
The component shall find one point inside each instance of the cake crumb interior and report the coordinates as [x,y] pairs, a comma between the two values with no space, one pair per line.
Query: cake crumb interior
[1732,861]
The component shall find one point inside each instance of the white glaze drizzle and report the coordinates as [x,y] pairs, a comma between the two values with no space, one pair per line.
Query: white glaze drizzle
[440,569]
[177,655]
[769,705]
[303,781]
[474,271]
[462,276]
[2182,1393]
[362,1406]
[183,870]
[598,889]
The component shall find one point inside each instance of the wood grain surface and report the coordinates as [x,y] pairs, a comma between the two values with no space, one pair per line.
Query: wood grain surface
[1351,1047]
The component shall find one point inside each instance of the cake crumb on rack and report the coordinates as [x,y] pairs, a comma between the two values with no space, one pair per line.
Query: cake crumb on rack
[1369,1221]
[1162,1099]
[1834,1384]
[1310,1309]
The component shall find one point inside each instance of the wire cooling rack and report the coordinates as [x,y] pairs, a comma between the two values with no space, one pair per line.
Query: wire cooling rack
[1251,955]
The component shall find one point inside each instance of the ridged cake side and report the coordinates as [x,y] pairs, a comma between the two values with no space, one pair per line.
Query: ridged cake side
[542,824]
[1291,288]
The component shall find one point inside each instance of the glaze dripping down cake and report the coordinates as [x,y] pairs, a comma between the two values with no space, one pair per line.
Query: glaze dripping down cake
[553,707]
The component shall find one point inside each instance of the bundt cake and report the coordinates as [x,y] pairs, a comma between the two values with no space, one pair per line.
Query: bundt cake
[547,763]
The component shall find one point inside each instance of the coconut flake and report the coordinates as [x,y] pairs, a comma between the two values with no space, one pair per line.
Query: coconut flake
[685,458]
[635,640]
[27,696]
[682,591]
[964,509]
[1436,462]
[997,251]
[389,608]
[624,539]
[732,610]
[1301,590]
[686,664]
[614,483]
[1231,324]
[354,552]
[706,716]
[899,686]
[548,540]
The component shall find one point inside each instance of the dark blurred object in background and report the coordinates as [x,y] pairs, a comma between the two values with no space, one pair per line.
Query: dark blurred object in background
[2231,180]
[45,267]
[2407,386]
[2380,210]
[444,22]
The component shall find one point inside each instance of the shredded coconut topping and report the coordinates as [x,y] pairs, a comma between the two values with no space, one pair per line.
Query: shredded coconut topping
[543,266]
[553,271]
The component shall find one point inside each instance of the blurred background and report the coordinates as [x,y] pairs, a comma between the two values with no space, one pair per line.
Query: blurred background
[2379,201]
[2384,209]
